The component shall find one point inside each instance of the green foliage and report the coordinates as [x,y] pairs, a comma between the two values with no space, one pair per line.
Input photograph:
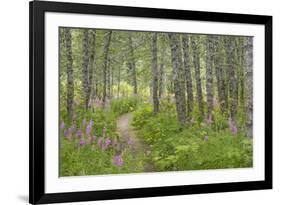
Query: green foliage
[124,105]
[91,158]
[193,147]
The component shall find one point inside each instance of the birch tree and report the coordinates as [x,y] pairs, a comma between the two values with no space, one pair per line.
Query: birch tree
[249,85]
[178,77]
[209,75]
[69,72]
[196,62]
[107,38]
[187,74]
[154,70]
[132,63]
[85,67]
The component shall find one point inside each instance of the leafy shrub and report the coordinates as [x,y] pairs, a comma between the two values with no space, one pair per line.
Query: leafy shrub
[192,147]
[91,150]
[124,105]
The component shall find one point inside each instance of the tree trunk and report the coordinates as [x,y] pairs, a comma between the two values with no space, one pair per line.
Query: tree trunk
[178,77]
[196,62]
[92,69]
[209,75]
[154,70]
[132,64]
[249,85]
[108,79]
[162,73]
[187,72]
[85,67]
[69,71]
[240,50]
[233,92]
[218,62]
[107,38]
[119,79]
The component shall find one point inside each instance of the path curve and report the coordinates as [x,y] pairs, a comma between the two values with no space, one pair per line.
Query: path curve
[127,132]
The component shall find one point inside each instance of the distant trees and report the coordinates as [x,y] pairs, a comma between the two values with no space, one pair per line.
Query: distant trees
[195,74]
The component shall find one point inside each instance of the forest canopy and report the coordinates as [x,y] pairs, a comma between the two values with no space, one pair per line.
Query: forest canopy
[134,101]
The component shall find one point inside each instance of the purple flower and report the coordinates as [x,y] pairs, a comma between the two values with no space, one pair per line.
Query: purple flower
[65,133]
[82,142]
[117,160]
[79,133]
[68,133]
[107,142]
[90,123]
[130,141]
[89,128]
[62,125]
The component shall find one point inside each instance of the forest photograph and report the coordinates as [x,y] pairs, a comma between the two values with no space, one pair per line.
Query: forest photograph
[143,101]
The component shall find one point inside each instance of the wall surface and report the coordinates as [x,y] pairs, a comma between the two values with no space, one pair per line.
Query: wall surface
[14,100]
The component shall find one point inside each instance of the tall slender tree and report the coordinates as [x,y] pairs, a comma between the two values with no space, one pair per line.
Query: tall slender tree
[162,72]
[187,73]
[85,66]
[196,62]
[209,74]
[132,63]
[69,72]
[232,73]
[240,52]
[107,38]
[220,77]
[92,67]
[154,71]
[178,77]
[249,85]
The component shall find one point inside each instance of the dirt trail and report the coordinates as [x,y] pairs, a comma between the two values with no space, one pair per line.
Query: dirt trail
[127,132]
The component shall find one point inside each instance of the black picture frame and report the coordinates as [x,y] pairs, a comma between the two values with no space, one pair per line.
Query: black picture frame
[37,11]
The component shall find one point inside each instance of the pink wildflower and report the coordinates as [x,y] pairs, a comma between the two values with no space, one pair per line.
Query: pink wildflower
[130,141]
[117,160]
[62,125]
[82,142]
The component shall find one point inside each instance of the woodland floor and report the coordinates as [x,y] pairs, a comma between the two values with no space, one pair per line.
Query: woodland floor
[126,131]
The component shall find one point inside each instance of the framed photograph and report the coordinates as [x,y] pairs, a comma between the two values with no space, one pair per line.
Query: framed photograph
[140,102]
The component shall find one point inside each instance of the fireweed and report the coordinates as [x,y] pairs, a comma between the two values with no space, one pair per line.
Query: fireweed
[117,160]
